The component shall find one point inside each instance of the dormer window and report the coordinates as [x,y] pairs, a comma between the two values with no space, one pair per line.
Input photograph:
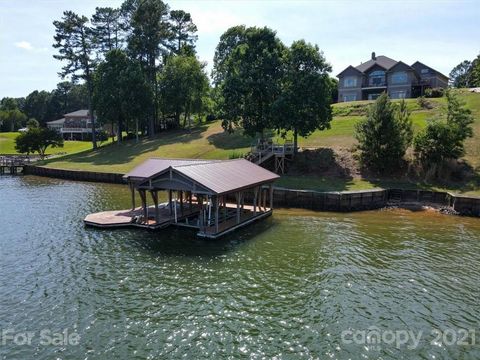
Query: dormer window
[424,71]
[350,81]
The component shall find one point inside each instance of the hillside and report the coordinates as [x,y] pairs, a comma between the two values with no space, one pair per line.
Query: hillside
[209,141]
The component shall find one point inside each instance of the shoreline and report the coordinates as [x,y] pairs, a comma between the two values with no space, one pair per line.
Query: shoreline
[345,201]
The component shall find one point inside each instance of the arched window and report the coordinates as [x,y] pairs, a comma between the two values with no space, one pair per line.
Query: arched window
[376,78]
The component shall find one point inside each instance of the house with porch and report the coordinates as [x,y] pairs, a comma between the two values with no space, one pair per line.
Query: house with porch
[383,74]
[74,126]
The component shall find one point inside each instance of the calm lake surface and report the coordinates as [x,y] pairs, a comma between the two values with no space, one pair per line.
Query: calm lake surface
[290,287]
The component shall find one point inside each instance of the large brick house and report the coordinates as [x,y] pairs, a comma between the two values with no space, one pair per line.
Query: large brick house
[382,74]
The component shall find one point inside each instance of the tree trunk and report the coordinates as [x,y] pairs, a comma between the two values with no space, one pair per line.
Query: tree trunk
[295,141]
[90,110]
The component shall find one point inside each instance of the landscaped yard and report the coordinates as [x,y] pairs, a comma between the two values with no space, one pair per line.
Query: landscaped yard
[210,142]
[7,145]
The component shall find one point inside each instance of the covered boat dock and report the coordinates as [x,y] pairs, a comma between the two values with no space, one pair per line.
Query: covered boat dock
[207,195]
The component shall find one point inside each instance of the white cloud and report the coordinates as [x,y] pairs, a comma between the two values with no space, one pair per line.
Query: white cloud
[24,45]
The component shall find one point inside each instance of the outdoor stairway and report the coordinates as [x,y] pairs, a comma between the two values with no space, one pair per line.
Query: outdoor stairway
[266,150]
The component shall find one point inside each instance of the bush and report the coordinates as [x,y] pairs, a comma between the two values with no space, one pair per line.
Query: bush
[442,141]
[424,103]
[434,92]
[384,135]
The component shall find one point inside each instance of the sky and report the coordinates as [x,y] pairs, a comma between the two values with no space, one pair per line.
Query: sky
[440,34]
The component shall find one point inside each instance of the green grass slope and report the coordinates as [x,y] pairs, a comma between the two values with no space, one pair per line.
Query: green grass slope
[210,142]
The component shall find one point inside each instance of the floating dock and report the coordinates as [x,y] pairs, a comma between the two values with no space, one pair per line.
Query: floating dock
[207,195]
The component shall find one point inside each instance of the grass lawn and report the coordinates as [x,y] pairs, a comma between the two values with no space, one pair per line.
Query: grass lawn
[210,142]
[7,145]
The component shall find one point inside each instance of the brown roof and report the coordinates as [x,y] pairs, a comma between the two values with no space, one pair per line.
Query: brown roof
[220,176]
[381,60]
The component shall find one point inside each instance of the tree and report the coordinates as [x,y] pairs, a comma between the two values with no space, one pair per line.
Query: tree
[36,106]
[74,41]
[444,139]
[121,93]
[108,32]
[38,140]
[8,103]
[183,87]
[33,123]
[11,120]
[183,30]
[459,76]
[304,104]
[148,40]
[474,73]
[384,135]
[251,73]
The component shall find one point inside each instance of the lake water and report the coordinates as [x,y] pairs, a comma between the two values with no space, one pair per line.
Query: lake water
[297,285]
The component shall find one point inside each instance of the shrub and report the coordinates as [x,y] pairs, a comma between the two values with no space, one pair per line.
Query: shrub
[434,92]
[384,135]
[424,103]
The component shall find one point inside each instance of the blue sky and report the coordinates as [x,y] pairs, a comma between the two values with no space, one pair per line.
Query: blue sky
[438,33]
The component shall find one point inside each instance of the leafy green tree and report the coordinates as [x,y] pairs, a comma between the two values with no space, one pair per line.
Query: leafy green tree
[107,28]
[444,139]
[229,41]
[474,73]
[121,92]
[8,103]
[36,106]
[183,87]
[459,76]
[33,123]
[38,140]
[11,120]
[74,41]
[147,41]
[304,104]
[183,30]
[384,135]
[252,73]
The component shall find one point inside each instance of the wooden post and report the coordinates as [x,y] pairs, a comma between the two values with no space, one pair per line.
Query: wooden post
[271,196]
[225,208]
[170,201]
[181,202]
[216,214]
[237,196]
[154,194]
[255,194]
[144,205]
[132,190]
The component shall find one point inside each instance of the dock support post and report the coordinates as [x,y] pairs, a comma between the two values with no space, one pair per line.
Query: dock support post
[144,204]
[132,190]
[155,201]
[271,196]
[255,194]
[238,197]
[170,201]
[181,202]
[216,214]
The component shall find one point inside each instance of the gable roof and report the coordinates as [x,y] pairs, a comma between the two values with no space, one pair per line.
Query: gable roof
[422,64]
[219,176]
[350,67]
[79,113]
[381,60]
[56,122]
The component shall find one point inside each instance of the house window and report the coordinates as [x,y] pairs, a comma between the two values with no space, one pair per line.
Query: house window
[424,71]
[373,96]
[376,78]
[399,77]
[349,97]
[350,81]
[398,94]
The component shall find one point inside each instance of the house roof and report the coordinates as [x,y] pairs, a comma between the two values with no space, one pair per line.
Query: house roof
[56,122]
[78,113]
[349,67]
[219,176]
[381,60]
[438,72]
